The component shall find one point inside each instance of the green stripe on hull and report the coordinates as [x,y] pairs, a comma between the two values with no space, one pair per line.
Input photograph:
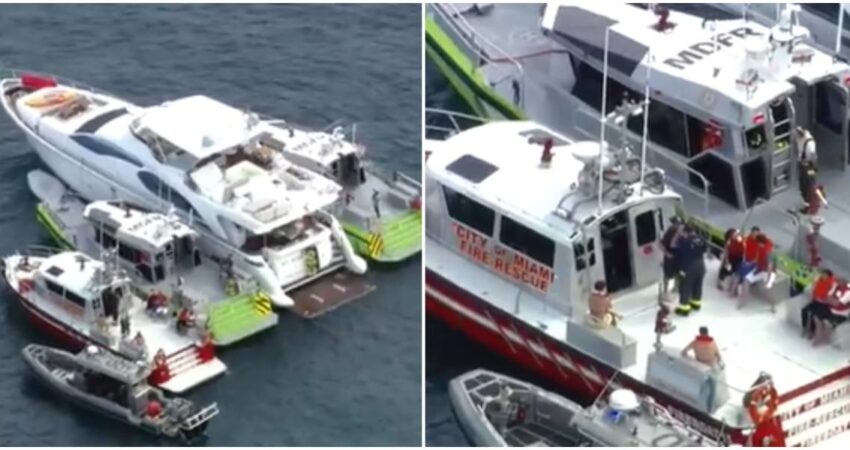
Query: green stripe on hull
[457,68]
[402,238]
[46,221]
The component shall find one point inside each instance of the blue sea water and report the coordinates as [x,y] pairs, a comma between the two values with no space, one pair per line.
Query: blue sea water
[352,377]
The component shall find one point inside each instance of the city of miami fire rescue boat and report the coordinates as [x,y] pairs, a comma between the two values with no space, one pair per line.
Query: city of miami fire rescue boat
[220,167]
[83,301]
[160,254]
[518,232]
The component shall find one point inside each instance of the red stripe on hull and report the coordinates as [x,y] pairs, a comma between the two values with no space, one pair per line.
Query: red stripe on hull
[577,385]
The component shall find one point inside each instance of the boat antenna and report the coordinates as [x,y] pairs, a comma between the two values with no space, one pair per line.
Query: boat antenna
[839,32]
[603,119]
[646,94]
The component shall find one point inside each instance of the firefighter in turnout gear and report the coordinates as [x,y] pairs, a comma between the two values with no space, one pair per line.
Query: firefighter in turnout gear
[690,255]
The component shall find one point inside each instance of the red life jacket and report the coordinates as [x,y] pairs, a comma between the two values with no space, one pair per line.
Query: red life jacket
[842,308]
[823,286]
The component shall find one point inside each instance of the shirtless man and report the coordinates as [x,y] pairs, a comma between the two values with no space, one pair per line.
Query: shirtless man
[705,349]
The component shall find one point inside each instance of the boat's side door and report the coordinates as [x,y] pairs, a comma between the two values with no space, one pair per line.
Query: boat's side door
[830,128]
[644,232]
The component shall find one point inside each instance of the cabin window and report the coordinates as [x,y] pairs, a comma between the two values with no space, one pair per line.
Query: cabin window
[667,127]
[828,11]
[75,299]
[830,108]
[127,253]
[583,261]
[165,192]
[720,176]
[54,288]
[645,228]
[469,212]
[103,148]
[588,87]
[756,138]
[527,241]
[104,239]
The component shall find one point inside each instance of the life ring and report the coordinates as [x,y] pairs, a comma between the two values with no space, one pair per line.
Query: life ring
[51,98]
[763,403]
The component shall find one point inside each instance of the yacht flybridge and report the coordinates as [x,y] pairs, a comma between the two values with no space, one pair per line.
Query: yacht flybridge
[523,221]
[217,165]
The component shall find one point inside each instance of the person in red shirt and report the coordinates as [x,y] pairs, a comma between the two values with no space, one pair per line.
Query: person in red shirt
[835,312]
[733,255]
[757,266]
[822,289]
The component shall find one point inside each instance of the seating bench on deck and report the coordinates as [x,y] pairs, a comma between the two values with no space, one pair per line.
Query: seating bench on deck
[793,315]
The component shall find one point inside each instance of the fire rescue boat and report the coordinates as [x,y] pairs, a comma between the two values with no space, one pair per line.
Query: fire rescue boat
[82,301]
[522,222]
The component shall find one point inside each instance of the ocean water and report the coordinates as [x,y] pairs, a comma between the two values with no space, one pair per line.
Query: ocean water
[352,377]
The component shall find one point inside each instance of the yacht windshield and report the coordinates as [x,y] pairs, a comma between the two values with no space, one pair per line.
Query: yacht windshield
[283,236]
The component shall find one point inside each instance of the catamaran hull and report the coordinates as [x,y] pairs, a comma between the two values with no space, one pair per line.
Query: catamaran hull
[584,378]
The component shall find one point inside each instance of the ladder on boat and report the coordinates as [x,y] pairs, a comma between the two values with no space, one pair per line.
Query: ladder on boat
[200,417]
[782,157]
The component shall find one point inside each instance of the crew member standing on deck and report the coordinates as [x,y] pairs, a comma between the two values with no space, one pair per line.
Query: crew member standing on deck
[807,169]
[691,259]
[668,242]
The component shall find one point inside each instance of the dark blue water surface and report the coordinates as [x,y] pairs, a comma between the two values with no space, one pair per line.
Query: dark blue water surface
[352,377]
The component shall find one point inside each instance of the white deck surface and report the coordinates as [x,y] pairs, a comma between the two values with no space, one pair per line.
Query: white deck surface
[751,339]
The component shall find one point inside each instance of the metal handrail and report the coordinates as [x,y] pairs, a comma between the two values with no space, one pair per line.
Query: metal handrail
[470,34]
[9,72]
[452,117]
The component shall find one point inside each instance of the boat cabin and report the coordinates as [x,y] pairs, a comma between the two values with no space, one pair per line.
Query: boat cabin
[72,284]
[152,245]
[726,96]
[492,198]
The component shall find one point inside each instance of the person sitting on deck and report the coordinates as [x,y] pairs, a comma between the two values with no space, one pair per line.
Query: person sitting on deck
[185,320]
[835,311]
[668,242]
[733,255]
[157,303]
[602,313]
[705,349]
[757,267]
[823,287]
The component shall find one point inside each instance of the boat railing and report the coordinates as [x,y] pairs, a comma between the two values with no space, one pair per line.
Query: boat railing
[200,417]
[454,18]
[41,251]
[9,72]
[455,122]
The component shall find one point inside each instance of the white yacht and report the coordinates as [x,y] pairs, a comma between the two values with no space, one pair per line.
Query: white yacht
[216,164]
